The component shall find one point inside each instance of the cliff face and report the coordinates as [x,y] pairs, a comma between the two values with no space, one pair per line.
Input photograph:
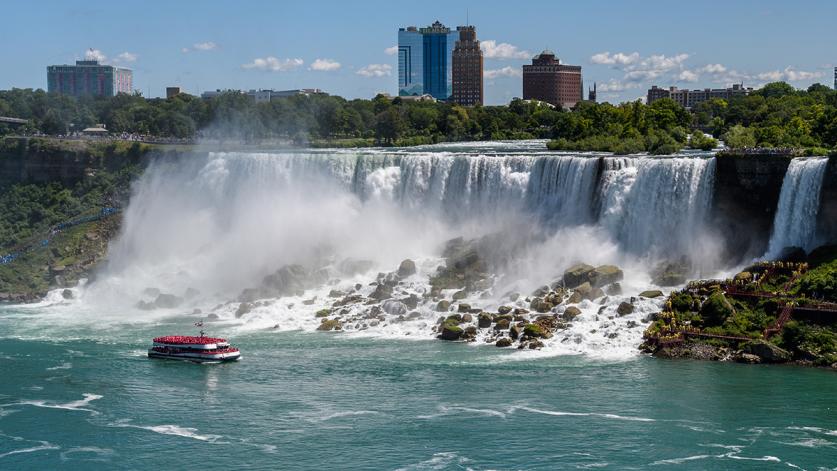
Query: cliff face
[747,192]
[66,162]
[827,221]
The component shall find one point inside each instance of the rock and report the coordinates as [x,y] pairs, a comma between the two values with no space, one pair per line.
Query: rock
[484,320]
[540,292]
[792,254]
[243,309]
[587,291]
[651,293]
[747,358]
[411,301]
[454,318]
[464,307]
[462,294]
[67,294]
[57,269]
[577,274]
[309,302]
[467,318]
[330,324]
[535,330]
[716,309]
[502,324]
[504,342]
[469,334]
[671,273]
[450,331]
[625,308]
[540,305]
[514,297]
[767,352]
[575,298]
[535,345]
[613,289]
[381,292]
[515,331]
[336,294]
[212,317]
[395,308]
[167,301]
[413,316]
[744,277]
[504,309]
[570,313]
[407,268]
[443,305]
[605,275]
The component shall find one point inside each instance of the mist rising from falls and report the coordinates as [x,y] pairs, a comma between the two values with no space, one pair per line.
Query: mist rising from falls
[795,223]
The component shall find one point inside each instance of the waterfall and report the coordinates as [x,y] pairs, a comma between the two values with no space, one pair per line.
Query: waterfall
[795,222]
[656,205]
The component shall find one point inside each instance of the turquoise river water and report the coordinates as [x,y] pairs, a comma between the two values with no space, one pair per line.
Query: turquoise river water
[86,400]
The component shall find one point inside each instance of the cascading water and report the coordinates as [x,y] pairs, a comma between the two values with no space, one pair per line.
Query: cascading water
[217,224]
[795,222]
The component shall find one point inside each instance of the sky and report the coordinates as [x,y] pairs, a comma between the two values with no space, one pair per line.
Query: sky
[347,48]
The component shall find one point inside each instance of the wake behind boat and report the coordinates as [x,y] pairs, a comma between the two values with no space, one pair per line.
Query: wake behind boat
[191,348]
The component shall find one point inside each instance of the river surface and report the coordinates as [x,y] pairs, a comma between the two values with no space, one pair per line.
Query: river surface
[77,390]
[325,401]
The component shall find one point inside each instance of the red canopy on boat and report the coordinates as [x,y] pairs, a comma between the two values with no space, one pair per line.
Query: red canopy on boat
[188,339]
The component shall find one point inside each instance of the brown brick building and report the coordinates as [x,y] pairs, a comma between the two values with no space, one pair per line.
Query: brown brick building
[467,68]
[550,81]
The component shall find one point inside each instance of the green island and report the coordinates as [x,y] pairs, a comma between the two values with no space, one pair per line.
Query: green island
[772,312]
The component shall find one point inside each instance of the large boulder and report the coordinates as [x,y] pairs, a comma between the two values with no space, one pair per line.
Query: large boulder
[443,305]
[381,292]
[577,274]
[625,308]
[484,320]
[571,313]
[395,308]
[450,331]
[767,352]
[540,305]
[504,342]
[407,268]
[605,275]
[716,309]
[167,301]
[327,325]
[651,293]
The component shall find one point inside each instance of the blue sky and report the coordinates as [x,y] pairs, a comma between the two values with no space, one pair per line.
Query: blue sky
[342,46]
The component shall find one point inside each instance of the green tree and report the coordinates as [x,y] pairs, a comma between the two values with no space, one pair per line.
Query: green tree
[739,137]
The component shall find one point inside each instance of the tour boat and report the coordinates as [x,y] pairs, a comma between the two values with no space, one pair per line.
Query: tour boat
[190,348]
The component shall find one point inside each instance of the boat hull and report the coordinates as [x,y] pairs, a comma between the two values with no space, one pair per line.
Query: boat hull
[196,357]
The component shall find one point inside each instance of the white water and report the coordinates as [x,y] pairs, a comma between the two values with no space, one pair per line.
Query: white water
[221,222]
[795,223]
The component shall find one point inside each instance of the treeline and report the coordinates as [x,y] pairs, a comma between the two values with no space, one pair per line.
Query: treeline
[776,115]
[300,118]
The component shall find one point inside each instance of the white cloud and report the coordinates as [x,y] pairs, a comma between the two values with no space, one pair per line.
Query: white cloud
[126,57]
[95,55]
[491,49]
[713,69]
[506,71]
[375,70]
[614,85]
[391,51]
[655,66]
[618,59]
[325,65]
[206,46]
[273,64]
[688,76]
[789,74]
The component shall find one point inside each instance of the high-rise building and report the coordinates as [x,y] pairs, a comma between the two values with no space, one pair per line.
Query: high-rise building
[547,79]
[172,92]
[591,94]
[410,62]
[89,78]
[467,68]
[425,60]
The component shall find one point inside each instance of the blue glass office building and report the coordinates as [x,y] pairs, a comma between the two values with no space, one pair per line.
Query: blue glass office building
[425,61]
